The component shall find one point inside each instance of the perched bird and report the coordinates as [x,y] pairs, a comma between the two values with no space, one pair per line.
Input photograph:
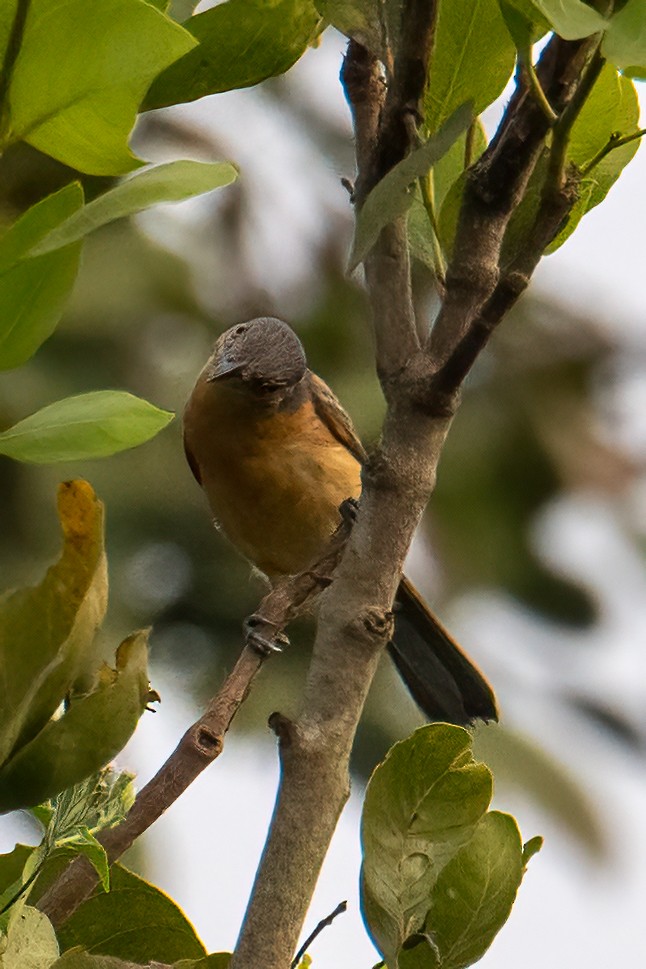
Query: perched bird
[277,455]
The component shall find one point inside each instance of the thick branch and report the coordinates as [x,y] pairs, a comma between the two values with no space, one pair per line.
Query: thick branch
[355,619]
[204,740]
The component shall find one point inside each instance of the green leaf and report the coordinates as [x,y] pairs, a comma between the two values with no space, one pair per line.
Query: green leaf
[98,802]
[172,182]
[531,848]
[524,22]
[30,943]
[375,26]
[442,177]
[625,41]
[393,196]
[571,19]
[611,109]
[422,805]
[472,59]
[86,426]
[241,43]
[47,632]
[135,921]
[33,293]
[471,899]
[93,729]
[81,73]
[87,845]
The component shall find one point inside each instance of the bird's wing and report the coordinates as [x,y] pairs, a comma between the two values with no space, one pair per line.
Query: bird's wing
[192,463]
[338,422]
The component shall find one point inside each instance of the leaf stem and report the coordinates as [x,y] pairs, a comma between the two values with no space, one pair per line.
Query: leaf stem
[427,189]
[535,85]
[615,141]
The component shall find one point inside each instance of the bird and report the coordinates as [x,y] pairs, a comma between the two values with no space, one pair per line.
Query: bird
[277,455]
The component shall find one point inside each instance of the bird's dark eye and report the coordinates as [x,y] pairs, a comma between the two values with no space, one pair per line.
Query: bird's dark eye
[239,329]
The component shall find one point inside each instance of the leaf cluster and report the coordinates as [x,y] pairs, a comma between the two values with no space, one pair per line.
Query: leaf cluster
[49,661]
[440,872]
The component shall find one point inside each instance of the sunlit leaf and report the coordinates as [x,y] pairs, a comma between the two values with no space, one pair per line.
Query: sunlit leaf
[571,19]
[422,805]
[172,182]
[133,921]
[472,898]
[524,22]
[612,109]
[87,845]
[31,941]
[472,59]
[241,42]
[90,425]
[81,73]
[625,40]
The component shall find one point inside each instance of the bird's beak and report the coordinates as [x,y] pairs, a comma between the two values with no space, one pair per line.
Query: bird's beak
[224,369]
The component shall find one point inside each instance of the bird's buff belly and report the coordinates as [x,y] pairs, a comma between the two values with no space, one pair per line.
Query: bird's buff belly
[280,508]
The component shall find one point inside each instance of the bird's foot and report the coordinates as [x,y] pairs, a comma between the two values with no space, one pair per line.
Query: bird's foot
[349,510]
[263,636]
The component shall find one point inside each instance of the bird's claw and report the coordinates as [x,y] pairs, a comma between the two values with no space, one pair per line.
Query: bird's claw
[348,510]
[256,628]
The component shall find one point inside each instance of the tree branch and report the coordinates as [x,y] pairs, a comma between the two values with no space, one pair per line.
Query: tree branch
[203,742]
[495,187]
[355,619]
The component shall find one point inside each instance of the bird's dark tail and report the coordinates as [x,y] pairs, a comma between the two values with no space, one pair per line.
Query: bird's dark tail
[441,678]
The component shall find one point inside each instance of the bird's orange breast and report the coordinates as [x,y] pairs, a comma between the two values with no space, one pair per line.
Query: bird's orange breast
[274,479]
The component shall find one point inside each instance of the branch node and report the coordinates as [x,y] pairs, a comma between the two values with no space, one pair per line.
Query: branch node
[208,742]
[283,727]
[378,623]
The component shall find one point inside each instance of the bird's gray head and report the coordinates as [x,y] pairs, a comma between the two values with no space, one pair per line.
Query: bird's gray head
[264,354]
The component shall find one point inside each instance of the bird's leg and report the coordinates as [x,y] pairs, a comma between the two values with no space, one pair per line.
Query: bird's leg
[263,635]
[348,511]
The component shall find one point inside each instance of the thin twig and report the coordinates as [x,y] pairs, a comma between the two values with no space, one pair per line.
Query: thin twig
[426,187]
[323,924]
[614,142]
[204,740]
[527,65]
